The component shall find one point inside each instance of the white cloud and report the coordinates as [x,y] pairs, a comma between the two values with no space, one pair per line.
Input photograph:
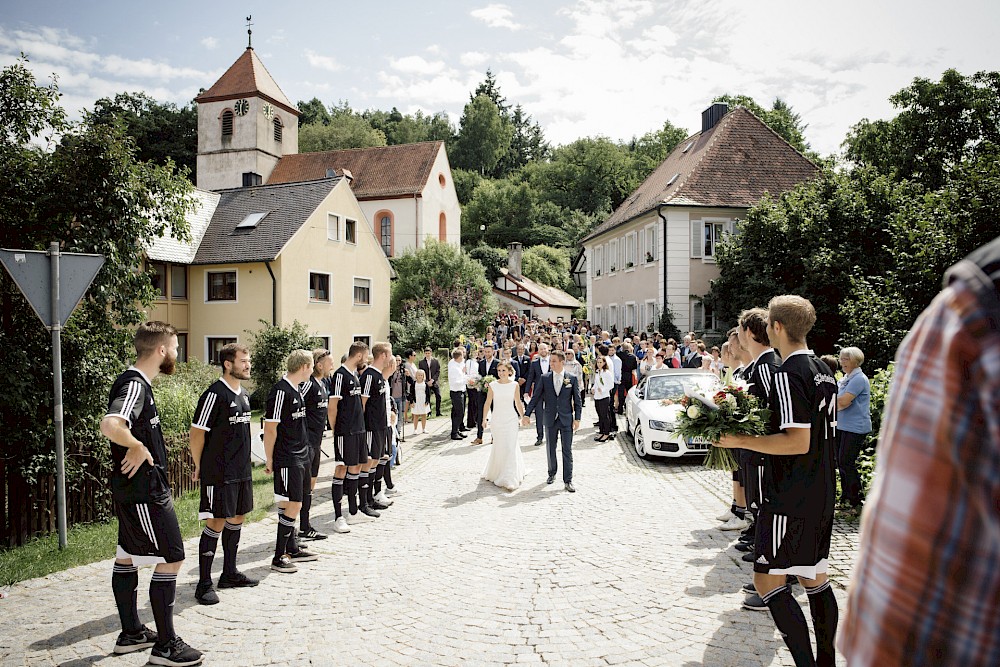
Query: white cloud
[210,43]
[496,16]
[322,62]
[435,49]
[474,58]
[416,65]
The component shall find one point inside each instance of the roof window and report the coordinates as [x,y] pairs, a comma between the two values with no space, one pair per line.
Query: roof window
[251,221]
[673,179]
[688,147]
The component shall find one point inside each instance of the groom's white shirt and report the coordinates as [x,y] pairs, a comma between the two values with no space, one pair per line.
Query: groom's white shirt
[457,379]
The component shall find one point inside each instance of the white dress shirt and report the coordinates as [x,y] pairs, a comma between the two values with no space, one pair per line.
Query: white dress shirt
[457,378]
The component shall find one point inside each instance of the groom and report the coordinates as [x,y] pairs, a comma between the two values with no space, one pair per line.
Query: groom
[562,408]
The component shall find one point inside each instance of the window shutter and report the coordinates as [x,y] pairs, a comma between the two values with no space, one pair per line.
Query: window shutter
[697,239]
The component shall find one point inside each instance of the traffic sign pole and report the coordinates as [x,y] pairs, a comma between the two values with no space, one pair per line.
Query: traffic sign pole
[58,393]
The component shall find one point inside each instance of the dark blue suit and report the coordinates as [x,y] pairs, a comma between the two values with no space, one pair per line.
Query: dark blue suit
[557,415]
[535,374]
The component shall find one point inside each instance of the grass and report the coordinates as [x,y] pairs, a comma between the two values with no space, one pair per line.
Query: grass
[93,542]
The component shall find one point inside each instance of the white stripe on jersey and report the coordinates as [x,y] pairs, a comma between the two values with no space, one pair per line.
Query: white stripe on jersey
[147,524]
[131,396]
[206,410]
[368,385]
[784,397]
[279,403]
[304,389]
[765,379]
[337,386]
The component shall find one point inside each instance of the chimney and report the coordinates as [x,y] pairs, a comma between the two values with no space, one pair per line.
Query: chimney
[711,116]
[514,259]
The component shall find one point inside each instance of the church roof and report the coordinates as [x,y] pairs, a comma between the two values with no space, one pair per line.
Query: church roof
[247,77]
[381,172]
[287,207]
[730,165]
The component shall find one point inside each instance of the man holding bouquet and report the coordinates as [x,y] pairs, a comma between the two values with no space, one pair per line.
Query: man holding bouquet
[795,522]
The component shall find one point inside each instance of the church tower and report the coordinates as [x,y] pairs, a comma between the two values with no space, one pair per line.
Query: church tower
[245,125]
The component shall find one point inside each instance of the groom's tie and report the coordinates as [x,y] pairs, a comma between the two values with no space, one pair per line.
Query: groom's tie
[557,381]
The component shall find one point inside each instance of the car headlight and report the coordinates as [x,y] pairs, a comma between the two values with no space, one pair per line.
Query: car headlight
[658,425]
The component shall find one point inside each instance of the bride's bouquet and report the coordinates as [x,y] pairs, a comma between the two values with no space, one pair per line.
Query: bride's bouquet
[732,410]
[483,384]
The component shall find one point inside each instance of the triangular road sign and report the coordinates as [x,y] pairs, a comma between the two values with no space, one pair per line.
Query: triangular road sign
[32,272]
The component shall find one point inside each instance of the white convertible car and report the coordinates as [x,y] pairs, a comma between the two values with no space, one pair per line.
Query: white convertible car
[651,423]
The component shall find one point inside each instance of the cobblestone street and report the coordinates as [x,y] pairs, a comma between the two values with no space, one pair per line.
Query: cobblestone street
[631,569]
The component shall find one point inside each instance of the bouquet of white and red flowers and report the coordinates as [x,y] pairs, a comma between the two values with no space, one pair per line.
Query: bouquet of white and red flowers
[732,410]
[483,383]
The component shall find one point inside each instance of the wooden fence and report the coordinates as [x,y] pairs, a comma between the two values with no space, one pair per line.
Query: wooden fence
[29,510]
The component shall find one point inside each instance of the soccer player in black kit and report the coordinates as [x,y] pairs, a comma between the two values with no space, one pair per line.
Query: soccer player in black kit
[346,414]
[317,397]
[286,447]
[376,403]
[220,449]
[148,533]
[795,521]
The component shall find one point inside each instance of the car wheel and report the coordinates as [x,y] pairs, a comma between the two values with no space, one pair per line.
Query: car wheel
[640,442]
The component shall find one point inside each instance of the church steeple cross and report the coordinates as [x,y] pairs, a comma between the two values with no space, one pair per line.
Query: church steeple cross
[249,33]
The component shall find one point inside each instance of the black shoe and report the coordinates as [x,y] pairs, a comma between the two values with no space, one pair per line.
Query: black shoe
[551,479]
[754,603]
[438,414]
[130,642]
[457,437]
[175,653]
[237,580]
[749,588]
[303,556]
[744,547]
[368,511]
[205,593]
[748,557]
[311,534]
[283,564]
[379,506]
[569,487]
[538,443]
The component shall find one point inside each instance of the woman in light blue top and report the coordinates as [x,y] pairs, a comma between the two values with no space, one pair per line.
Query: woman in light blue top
[854,423]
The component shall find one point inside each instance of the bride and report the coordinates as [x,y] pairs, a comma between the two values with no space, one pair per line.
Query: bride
[506,466]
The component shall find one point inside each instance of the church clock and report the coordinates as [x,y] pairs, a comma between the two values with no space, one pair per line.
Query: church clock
[242,107]
[267,110]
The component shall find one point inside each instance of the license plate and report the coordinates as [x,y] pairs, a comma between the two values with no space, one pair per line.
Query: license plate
[699,445]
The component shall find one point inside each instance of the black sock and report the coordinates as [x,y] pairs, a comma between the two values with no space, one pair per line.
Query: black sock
[337,491]
[293,544]
[791,622]
[362,489]
[351,491]
[285,528]
[307,501]
[740,512]
[230,545]
[377,484]
[206,554]
[162,589]
[124,584]
[387,476]
[825,615]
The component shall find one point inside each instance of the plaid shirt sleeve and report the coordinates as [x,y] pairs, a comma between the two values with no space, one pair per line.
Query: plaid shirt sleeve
[926,587]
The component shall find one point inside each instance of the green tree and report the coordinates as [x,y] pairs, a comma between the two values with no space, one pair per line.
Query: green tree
[465,183]
[163,132]
[269,347]
[527,142]
[653,148]
[313,112]
[484,137]
[546,265]
[441,291]
[86,190]
[593,175]
[780,118]
[343,131]
[492,259]
[498,213]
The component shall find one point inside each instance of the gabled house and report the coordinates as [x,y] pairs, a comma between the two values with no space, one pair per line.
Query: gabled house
[526,297]
[658,247]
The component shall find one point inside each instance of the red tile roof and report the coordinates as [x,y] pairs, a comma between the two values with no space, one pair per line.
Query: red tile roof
[731,165]
[245,78]
[379,173]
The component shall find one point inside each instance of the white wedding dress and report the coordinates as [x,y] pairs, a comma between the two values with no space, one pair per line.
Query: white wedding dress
[506,465]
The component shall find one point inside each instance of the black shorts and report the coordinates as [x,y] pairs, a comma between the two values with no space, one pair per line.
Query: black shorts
[148,533]
[288,483]
[314,453]
[351,450]
[222,501]
[379,443]
[792,545]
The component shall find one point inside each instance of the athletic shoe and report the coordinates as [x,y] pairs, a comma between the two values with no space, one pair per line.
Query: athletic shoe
[283,564]
[725,516]
[391,492]
[376,505]
[381,498]
[130,642]
[340,525]
[734,523]
[311,534]
[205,594]
[747,557]
[749,588]
[175,653]
[744,547]
[368,511]
[237,580]
[754,603]
[303,556]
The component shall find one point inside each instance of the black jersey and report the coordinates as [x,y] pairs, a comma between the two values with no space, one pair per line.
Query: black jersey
[132,400]
[225,417]
[373,387]
[286,407]
[350,415]
[804,396]
[760,375]
[317,397]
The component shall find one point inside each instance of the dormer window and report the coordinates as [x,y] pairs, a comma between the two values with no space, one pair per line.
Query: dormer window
[227,124]
[277,129]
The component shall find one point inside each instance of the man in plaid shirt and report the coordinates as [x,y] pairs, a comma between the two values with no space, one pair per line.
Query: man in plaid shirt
[926,589]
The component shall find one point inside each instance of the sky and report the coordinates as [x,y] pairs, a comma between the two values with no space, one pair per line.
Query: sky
[613,68]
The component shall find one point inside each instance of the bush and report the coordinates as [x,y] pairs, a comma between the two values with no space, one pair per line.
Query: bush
[177,395]
[666,324]
[269,348]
